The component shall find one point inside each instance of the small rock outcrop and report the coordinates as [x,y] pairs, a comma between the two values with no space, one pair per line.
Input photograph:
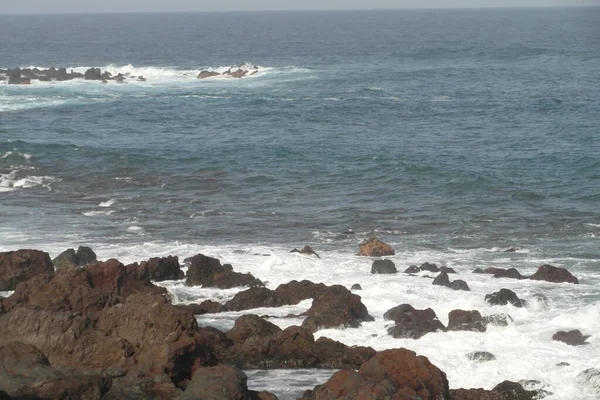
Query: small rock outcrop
[159,269]
[383,267]
[208,272]
[356,286]
[391,374]
[572,338]
[510,273]
[481,356]
[374,247]
[21,265]
[412,323]
[461,320]
[413,269]
[71,258]
[554,274]
[306,250]
[504,297]
[443,280]
[335,307]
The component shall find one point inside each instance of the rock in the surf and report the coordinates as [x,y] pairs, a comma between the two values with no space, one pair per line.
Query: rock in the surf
[208,272]
[443,280]
[506,390]
[391,374]
[461,320]
[412,323]
[93,74]
[336,307]
[481,356]
[504,297]
[511,273]
[374,247]
[413,269]
[572,338]
[383,267]
[306,250]
[590,380]
[21,265]
[207,74]
[431,267]
[554,274]
[356,286]
[159,269]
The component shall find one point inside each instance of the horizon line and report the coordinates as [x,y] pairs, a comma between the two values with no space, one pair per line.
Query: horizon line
[305,10]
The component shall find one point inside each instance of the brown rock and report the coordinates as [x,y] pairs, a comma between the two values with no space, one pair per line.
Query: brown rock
[219,383]
[572,338]
[504,391]
[294,292]
[254,297]
[206,307]
[461,320]
[209,272]
[553,274]
[374,247]
[21,265]
[443,280]
[250,325]
[412,323]
[336,306]
[207,74]
[429,267]
[392,374]
[413,269]
[114,278]
[383,267]
[160,269]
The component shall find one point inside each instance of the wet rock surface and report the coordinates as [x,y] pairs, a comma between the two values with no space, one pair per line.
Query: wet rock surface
[504,297]
[412,323]
[554,274]
[374,247]
[572,338]
[21,265]
[208,272]
[383,267]
[306,250]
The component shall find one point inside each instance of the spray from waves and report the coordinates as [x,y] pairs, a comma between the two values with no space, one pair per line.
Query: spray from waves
[14,154]
[18,178]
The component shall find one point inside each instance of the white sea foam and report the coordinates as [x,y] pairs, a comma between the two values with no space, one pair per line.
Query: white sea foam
[528,338]
[107,203]
[15,179]
[6,294]
[15,153]
[93,213]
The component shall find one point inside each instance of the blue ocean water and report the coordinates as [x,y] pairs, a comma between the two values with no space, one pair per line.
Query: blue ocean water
[452,134]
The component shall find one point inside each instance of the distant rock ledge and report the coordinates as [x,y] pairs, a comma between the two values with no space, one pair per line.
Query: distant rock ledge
[24,76]
[237,71]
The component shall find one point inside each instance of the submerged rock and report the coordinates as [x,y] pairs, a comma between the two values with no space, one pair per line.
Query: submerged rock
[413,269]
[504,297]
[481,356]
[374,247]
[306,250]
[572,338]
[443,280]
[383,267]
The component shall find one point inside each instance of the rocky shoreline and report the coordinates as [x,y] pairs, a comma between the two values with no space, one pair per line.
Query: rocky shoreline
[76,327]
[24,76]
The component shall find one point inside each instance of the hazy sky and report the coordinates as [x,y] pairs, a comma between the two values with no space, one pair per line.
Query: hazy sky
[59,6]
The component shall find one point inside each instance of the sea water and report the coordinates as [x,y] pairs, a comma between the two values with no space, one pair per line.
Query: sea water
[453,135]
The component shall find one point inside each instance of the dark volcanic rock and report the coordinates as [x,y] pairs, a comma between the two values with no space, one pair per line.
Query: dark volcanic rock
[14,76]
[206,307]
[254,297]
[221,383]
[391,374]
[356,286]
[336,306]
[160,269]
[255,343]
[490,270]
[306,250]
[383,267]
[443,280]
[511,273]
[93,74]
[413,269]
[481,356]
[71,258]
[553,274]
[294,292]
[429,267]
[21,265]
[504,391]
[447,270]
[461,320]
[504,297]
[412,323]
[572,338]
[25,372]
[208,272]
[114,278]
[374,247]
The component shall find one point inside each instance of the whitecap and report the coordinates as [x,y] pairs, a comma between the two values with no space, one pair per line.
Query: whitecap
[107,203]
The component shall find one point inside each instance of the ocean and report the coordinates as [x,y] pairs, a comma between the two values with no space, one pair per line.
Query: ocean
[452,135]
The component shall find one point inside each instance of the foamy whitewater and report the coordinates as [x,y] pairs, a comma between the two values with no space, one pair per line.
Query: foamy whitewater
[451,135]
